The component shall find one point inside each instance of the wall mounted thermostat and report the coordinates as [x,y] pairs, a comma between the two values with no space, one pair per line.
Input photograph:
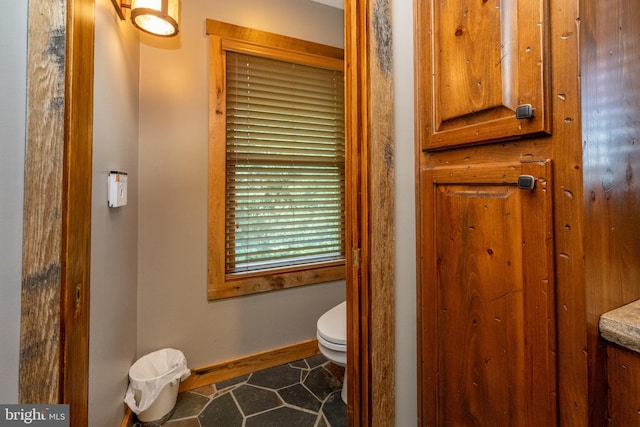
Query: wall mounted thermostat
[117,189]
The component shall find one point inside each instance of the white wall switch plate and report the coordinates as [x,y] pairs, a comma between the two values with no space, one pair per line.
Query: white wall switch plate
[117,189]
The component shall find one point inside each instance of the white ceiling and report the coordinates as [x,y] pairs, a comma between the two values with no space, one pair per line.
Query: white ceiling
[333,3]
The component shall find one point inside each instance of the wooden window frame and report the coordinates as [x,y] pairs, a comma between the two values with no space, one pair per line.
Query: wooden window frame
[223,38]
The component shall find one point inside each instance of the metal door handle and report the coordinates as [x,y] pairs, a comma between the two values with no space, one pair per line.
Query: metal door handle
[526,182]
[525,111]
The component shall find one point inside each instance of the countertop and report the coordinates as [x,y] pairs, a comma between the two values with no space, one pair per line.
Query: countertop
[622,326]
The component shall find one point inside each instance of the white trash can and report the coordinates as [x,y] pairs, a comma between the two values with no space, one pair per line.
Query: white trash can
[153,384]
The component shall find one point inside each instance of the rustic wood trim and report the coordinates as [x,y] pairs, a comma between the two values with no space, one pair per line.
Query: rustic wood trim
[566,152]
[422,77]
[301,57]
[127,420]
[54,348]
[228,369]
[539,299]
[424,217]
[335,267]
[381,313]
[217,164]
[426,305]
[354,240]
[370,220]
[230,287]
[77,184]
[224,30]
[357,250]
[223,37]
[483,173]
[40,340]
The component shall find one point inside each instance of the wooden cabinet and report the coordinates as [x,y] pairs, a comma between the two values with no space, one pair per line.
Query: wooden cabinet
[488,337]
[488,57]
[487,307]
[576,63]
[623,373]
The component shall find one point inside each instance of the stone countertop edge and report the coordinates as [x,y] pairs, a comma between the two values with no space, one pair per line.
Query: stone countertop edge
[622,326]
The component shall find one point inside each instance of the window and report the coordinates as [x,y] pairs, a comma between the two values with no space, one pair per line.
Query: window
[276,162]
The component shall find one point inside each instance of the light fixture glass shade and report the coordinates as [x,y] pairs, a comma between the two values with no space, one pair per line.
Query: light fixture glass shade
[159,17]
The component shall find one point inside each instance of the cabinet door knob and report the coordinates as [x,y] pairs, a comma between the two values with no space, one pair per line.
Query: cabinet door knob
[526,182]
[525,111]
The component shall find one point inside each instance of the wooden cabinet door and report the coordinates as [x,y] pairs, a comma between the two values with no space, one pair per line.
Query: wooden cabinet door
[623,378]
[477,61]
[487,315]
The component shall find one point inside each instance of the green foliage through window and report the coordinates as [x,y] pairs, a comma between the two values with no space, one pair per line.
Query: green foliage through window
[285,164]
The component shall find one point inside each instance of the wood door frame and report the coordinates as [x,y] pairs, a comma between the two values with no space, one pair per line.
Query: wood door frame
[57,230]
[370,213]
[54,335]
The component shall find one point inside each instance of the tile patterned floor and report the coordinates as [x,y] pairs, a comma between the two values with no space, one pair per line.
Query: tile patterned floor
[305,393]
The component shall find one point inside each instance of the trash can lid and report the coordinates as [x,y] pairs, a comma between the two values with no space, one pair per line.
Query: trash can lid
[156,364]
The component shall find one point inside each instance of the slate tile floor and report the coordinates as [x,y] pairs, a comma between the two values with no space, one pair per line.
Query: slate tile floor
[304,393]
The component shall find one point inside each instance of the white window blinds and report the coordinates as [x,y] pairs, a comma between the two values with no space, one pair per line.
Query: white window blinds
[285,164]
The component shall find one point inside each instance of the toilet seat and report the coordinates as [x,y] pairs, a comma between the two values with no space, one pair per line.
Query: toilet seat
[332,328]
[331,332]
[330,345]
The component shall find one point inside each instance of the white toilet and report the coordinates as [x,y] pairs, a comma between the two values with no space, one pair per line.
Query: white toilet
[332,338]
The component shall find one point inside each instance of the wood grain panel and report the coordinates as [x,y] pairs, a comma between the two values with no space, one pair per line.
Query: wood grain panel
[624,386]
[480,336]
[40,340]
[381,299]
[476,62]
[566,152]
[610,55]
[230,31]
[487,297]
[77,184]
[540,326]
[357,214]
[467,47]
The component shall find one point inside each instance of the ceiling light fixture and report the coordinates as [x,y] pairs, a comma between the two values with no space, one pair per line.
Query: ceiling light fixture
[158,17]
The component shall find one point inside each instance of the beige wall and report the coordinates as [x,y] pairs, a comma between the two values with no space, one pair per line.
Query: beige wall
[173,310]
[13,80]
[114,235]
[406,371]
